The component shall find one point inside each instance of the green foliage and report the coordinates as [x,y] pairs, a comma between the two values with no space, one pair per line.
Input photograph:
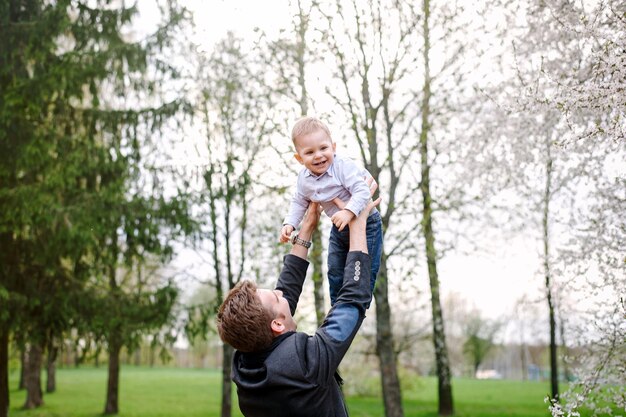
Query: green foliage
[73,122]
[479,338]
[201,311]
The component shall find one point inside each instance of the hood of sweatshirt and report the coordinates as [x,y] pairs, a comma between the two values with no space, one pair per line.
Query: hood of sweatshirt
[250,368]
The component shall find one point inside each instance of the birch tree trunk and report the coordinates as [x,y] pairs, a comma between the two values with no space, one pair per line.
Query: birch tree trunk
[315,254]
[554,373]
[232,107]
[373,115]
[444,383]
[392,395]
[315,257]
[565,352]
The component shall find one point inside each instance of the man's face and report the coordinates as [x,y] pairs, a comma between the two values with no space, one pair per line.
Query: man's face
[274,302]
[315,151]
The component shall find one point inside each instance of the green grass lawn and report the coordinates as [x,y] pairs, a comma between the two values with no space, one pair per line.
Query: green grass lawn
[162,392]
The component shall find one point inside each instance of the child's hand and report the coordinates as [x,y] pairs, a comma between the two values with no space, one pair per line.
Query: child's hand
[285,233]
[342,218]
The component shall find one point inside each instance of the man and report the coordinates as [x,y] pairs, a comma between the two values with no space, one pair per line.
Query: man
[281,372]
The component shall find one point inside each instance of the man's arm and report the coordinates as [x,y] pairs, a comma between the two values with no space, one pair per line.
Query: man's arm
[295,263]
[332,340]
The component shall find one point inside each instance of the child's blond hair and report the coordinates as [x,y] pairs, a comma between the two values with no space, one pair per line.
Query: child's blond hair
[307,125]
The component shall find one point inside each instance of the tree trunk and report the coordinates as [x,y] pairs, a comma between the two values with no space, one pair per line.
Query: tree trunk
[392,395]
[77,355]
[444,383]
[315,254]
[524,362]
[554,375]
[51,382]
[22,384]
[564,352]
[151,356]
[34,395]
[97,356]
[4,371]
[227,361]
[317,276]
[113,386]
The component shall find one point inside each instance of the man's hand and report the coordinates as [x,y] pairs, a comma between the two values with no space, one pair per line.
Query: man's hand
[342,218]
[341,204]
[311,218]
[285,233]
[358,238]
[362,217]
[308,226]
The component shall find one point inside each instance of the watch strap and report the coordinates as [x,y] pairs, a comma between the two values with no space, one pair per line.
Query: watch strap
[297,241]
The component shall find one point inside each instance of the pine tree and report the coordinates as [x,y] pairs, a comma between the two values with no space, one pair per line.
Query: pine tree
[73,120]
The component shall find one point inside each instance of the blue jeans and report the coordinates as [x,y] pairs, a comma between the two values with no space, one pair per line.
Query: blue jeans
[339,245]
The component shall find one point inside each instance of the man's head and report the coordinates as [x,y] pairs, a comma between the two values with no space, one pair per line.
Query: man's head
[314,146]
[250,318]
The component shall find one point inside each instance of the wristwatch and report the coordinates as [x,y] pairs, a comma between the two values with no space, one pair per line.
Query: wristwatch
[297,241]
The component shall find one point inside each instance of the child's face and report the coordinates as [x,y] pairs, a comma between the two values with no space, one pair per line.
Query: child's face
[315,151]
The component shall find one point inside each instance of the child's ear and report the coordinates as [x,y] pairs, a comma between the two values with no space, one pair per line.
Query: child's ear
[334,146]
[298,158]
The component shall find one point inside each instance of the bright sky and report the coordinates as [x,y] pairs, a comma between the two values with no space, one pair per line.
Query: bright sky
[215,17]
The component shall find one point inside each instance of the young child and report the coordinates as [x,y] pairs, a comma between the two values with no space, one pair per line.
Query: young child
[325,177]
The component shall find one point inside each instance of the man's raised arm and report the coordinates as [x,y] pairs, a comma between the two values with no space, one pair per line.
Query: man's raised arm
[295,264]
[308,226]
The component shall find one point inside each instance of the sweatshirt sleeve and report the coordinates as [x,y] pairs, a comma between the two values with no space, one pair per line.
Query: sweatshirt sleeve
[331,341]
[291,279]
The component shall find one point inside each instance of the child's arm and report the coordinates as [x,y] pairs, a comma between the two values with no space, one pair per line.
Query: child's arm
[371,183]
[299,205]
[353,178]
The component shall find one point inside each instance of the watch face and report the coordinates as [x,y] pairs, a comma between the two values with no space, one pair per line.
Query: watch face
[297,241]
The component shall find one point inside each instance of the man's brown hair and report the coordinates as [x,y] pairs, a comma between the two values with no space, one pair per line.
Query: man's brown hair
[307,125]
[242,320]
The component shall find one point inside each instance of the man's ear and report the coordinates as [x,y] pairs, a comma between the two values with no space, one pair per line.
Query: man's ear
[278,327]
[298,158]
